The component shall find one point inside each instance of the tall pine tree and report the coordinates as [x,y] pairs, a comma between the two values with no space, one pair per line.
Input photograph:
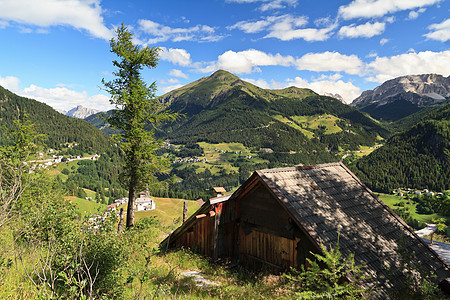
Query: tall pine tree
[136,109]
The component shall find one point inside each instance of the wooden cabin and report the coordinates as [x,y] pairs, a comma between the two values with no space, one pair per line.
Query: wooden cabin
[218,191]
[279,216]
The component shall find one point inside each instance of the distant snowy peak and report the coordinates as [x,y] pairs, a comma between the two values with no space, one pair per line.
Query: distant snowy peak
[81,112]
[336,96]
[420,90]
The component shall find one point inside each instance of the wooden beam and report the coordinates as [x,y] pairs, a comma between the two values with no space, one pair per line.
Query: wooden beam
[200,216]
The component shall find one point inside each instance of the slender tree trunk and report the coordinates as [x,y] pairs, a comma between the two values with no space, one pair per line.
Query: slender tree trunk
[131,200]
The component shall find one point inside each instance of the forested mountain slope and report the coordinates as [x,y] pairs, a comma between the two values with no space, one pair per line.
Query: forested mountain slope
[58,128]
[224,108]
[417,158]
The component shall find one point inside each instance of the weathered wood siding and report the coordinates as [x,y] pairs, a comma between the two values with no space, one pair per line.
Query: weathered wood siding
[199,236]
[264,236]
[258,248]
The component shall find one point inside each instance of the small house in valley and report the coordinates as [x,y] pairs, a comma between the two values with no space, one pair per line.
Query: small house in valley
[279,216]
[143,202]
[218,191]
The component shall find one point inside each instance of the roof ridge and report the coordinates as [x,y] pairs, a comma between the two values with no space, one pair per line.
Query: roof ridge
[301,167]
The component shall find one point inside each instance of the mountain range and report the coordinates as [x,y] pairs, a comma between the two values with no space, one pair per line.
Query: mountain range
[59,129]
[288,126]
[224,108]
[402,96]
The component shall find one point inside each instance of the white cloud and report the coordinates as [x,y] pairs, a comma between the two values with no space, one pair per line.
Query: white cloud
[64,99]
[166,89]
[60,97]
[178,73]
[286,28]
[346,89]
[330,61]
[415,14]
[176,56]
[248,61]
[80,14]
[366,30]
[385,68]
[440,32]
[10,83]
[267,4]
[161,33]
[383,41]
[379,8]
[170,81]
[251,27]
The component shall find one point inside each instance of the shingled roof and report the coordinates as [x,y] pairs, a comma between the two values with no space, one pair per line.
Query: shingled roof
[329,201]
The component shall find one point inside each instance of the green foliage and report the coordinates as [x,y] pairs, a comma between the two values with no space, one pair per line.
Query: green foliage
[417,158]
[416,283]
[329,276]
[22,143]
[59,129]
[136,107]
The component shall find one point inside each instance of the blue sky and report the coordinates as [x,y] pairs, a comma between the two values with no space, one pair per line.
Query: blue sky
[57,51]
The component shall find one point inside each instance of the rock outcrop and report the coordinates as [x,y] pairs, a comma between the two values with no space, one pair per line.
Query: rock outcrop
[420,90]
[81,112]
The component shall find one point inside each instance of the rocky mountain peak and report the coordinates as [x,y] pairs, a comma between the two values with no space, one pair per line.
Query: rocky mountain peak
[420,90]
[81,112]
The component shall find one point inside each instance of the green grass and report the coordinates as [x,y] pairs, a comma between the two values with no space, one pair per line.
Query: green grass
[222,162]
[86,207]
[287,121]
[169,211]
[313,122]
[391,200]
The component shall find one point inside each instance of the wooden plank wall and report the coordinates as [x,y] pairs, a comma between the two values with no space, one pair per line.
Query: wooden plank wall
[276,250]
[200,237]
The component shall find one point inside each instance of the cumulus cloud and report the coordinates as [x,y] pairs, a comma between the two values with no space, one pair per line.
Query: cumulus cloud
[440,31]
[415,14]
[379,8]
[10,82]
[64,99]
[166,89]
[322,86]
[285,28]
[248,61]
[176,56]
[383,41]
[268,4]
[366,30]
[330,61]
[178,73]
[60,97]
[170,81]
[385,68]
[161,33]
[346,90]
[80,14]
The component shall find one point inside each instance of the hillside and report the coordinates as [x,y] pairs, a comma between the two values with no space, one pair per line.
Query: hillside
[59,129]
[416,158]
[403,96]
[224,108]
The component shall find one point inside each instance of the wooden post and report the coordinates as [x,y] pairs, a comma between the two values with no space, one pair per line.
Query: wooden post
[185,204]
[120,226]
